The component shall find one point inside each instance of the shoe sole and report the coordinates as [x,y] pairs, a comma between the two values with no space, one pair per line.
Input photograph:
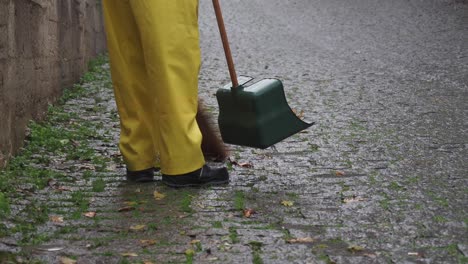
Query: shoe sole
[140,179]
[196,185]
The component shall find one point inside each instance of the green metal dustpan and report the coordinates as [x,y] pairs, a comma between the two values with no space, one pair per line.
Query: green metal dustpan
[255,115]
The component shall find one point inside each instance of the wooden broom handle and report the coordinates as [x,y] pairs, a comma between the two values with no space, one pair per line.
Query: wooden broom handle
[224,39]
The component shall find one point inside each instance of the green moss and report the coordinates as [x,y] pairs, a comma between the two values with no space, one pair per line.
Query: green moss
[217,224]
[440,219]
[233,235]
[4,205]
[313,147]
[186,203]
[239,200]
[98,185]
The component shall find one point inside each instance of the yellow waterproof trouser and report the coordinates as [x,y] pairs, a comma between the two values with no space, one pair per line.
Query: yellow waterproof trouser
[155,60]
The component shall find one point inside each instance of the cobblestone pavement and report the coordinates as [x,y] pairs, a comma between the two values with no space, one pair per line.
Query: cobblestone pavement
[380,178]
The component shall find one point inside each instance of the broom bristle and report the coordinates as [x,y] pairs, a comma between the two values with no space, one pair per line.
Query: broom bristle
[212,145]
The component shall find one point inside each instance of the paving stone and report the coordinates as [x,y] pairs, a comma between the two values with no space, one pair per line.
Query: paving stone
[381,176]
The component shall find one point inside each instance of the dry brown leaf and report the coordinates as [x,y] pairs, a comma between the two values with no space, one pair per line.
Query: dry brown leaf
[137,227]
[370,255]
[248,212]
[63,188]
[90,214]
[54,185]
[126,209]
[299,115]
[56,219]
[241,164]
[246,165]
[340,173]
[300,240]
[75,143]
[287,203]
[129,254]
[147,242]
[51,183]
[148,262]
[86,167]
[158,196]
[353,199]
[65,260]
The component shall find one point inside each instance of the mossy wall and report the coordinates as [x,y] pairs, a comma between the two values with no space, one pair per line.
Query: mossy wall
[44,47]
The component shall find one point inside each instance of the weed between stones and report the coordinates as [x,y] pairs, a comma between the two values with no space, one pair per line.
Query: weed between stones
[62,136]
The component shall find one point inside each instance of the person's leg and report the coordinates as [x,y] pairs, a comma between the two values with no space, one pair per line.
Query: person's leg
[170,40]
[135,103]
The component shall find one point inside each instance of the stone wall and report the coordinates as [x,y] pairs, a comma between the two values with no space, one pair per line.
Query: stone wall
[44,47]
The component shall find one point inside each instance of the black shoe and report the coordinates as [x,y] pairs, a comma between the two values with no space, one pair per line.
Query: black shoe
[141,176]
[205,176]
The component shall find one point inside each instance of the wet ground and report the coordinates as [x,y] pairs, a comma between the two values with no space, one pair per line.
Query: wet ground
[380,178]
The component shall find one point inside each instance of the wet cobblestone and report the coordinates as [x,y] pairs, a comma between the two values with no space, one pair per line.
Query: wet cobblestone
[380,178]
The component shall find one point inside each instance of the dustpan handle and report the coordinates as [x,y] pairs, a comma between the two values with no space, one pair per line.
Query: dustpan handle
[224,39]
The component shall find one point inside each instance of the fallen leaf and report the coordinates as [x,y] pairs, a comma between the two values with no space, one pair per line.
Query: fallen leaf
[340,173]
[64,141]
[146,243]
[353,199]
[86,167]
[63,188]
[415,254]
[51,183]
[129,254]
[75,143]
[126,209]
[148,262]
[246,165]
[131,203]
[54,185]
[370,255]
[300,240]
[355,249]
[299,115]
[195,241]
[137,227]
[51,248]
[158,196]
[287,203]
[248,212]
[241,164]
[56,219]
[65,260]
[90,214]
